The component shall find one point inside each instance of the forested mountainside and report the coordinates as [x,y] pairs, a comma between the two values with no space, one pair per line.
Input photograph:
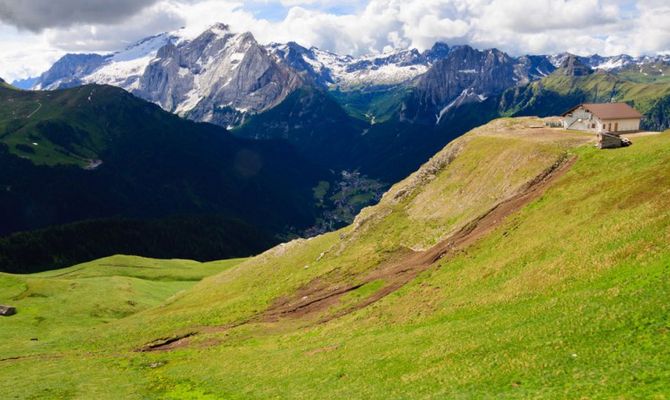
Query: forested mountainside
[98,153]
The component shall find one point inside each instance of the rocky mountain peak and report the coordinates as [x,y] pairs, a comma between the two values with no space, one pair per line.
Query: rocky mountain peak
[573,66]
[439,51]
[219,27]
[218,77]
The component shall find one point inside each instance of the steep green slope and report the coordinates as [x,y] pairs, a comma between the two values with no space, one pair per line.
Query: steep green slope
[658,117]
[97,152]
[647,73]
[553,283]
[375,104]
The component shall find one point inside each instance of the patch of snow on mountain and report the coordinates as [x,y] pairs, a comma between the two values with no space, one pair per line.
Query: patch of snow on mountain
[349,72]
[451,105]
[610,64]
[237,57]
[124,68]
[192,99]
[557,59]
[124,74]
[143,48]
[467,96]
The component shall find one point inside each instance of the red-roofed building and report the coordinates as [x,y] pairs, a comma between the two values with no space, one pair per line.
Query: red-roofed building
[614,118]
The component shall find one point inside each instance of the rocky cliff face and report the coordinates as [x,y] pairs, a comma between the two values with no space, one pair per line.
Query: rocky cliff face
[70,70]
[466,75]
[218,77]
[574,66]
[349,73]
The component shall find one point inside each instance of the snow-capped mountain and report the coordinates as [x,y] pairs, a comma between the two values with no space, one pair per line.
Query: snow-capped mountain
[221,76]
[217,77]
[349,73]
[125,68]
[612,63]
[121,69]
[385,69]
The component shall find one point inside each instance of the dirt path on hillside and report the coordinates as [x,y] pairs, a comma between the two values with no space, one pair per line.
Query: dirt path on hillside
[315,299]
[39,106]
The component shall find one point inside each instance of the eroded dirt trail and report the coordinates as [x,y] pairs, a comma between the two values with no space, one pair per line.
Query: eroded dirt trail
[314,300]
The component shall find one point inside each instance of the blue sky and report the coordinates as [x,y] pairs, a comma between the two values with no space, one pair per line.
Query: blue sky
[31,40]
[277,11]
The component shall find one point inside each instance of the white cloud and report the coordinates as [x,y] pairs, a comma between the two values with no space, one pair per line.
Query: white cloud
[519,26]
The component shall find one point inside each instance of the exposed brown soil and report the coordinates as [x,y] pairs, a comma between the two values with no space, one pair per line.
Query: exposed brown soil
[167,343]
[314,300]
[32,356]
[316,297]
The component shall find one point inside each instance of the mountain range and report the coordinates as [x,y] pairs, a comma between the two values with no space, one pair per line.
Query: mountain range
[382,115]
[220,76]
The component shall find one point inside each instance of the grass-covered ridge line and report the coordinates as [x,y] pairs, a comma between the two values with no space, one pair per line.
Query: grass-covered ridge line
[566,298]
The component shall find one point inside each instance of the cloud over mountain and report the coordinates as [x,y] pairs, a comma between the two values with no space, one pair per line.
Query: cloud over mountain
[37,15]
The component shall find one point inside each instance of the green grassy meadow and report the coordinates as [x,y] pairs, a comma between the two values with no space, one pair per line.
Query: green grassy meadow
[565,299]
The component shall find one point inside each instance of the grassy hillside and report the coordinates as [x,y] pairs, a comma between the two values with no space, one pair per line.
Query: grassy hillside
[520,262]
[657,72]
[374,105]
[91,295]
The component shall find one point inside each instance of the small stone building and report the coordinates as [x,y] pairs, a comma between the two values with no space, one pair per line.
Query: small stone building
[614,118]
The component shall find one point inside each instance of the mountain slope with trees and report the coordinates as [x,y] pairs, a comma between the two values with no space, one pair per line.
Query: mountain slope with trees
[97,152]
